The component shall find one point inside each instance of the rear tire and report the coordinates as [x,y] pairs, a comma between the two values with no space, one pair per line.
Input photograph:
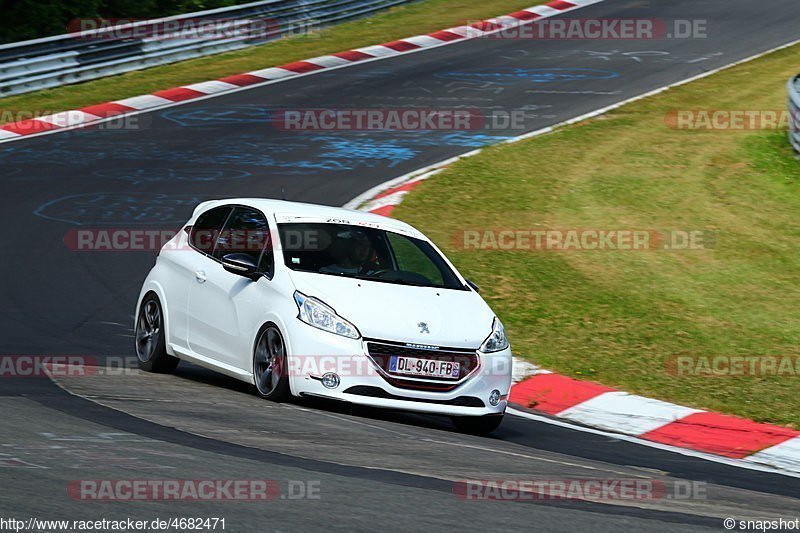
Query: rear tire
[477,425]
[270,371]
[151,343]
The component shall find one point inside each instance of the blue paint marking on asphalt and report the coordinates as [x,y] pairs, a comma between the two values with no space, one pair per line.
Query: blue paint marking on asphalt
[510,76]
[113,209]
[218,115]
[244,150]
[368,151]
[232,157]
[423,138]
[151,175]
[472,140]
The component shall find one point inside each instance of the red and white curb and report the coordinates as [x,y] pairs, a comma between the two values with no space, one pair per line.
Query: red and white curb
[382,200]
[736,440]
[658,421]
[102,112]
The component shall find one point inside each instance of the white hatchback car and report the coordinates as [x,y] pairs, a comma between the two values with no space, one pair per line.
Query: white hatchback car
[307,300]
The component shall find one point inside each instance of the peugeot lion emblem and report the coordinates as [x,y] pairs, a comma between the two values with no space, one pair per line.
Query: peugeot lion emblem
[423,327]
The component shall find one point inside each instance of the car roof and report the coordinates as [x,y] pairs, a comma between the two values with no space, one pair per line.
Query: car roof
[284,210]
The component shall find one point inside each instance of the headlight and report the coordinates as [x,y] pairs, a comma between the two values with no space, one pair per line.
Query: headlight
[315,313]
[497,340]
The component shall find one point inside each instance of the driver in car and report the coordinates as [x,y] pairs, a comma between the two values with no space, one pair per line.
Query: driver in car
[354,254]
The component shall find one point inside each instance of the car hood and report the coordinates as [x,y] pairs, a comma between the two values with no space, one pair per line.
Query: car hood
[453,318]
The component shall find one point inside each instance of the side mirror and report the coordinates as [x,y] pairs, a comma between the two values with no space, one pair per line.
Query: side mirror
[241,265]
[474,287]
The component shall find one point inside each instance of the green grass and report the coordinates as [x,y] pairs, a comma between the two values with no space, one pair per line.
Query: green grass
[396,23]
[618,317]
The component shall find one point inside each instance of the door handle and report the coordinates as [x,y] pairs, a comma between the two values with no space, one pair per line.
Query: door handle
[200,276]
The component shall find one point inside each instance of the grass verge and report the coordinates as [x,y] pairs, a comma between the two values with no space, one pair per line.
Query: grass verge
[395,23]
[620,317]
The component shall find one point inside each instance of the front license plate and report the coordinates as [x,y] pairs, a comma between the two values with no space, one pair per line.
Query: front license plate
[430,368]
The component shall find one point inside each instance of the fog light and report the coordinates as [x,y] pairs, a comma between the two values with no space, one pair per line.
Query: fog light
[494,398]
[331,381]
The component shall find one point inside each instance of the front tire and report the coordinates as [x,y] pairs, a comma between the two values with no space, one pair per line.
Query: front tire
[270,370]
[477,425]
[150,335]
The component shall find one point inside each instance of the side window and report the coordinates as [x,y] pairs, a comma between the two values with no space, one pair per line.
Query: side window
[205,231]
[246,232]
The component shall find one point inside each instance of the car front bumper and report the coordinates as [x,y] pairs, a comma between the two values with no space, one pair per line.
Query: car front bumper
[314,353]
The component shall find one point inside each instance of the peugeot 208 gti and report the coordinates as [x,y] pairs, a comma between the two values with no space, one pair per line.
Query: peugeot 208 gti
[307,300]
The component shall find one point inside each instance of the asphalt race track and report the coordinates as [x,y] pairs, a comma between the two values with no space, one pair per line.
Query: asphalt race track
[375,469]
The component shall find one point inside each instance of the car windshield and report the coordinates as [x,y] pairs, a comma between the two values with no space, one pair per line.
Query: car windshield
[366,253]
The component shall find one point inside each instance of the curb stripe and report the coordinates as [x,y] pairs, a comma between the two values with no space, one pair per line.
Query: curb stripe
[543,11]
[242,80]
[178,94]
[525,15]
[211,87]
[328,61]
[301,67]
[107,110]
[785,455]
[424,41]
[485,25]
[27,127]
[553,393]
[401,46]
[404,187]
[66,119]
[352,55]
[7,134]
[378,50]
[144,101]
[626,413]
[272,73]
[466,31]
[721,434]
[445,35]
[561,5]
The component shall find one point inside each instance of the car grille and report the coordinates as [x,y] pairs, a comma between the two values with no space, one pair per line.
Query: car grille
[382,351]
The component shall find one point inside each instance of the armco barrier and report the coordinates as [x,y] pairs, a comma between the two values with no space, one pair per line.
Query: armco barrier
[84,55]
[794,112]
